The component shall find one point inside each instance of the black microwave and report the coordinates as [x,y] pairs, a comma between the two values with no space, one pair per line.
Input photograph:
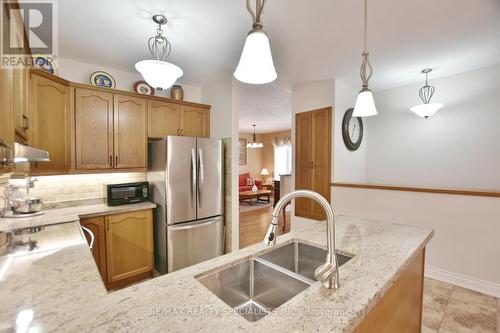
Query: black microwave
[122,194]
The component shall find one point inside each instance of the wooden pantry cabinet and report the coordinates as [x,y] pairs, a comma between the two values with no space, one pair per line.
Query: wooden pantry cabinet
[110,130]
[123,246]
[167,118]
[313,162]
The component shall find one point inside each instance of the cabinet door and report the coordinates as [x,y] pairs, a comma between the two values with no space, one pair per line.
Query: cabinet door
[303,165]
[51,123]
[163,119]
[129,244]
[93,129]
[20,105]
[6,111]
[130,139]
[96,226]
[195,121]
[320,138]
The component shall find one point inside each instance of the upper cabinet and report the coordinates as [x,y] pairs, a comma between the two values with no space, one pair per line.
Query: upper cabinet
[166,118]
[51,122]
[110,131]
[195,121]
[130,139]
[93,129]
[163,119]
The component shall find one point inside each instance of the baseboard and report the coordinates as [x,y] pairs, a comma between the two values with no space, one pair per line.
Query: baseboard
[484,287]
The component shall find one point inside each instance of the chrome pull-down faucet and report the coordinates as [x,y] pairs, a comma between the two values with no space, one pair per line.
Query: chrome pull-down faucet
[328,273]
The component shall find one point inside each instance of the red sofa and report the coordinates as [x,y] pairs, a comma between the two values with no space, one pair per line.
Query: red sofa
[242,183]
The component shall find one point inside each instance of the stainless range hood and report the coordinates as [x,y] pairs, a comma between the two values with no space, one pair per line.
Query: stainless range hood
[24,153]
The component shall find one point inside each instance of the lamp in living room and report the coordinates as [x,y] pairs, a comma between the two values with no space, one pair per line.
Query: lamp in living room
[264,173]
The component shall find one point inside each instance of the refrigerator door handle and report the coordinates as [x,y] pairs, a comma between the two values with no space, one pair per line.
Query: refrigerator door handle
[193,177]
[200,177]
[193,225]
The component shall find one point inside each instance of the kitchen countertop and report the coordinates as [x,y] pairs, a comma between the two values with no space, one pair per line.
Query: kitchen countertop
[64,292]
[69,214]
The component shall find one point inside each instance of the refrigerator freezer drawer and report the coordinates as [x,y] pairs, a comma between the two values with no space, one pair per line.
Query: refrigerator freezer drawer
[193,242]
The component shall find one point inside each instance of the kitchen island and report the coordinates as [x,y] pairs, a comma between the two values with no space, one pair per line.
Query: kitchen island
[61,291]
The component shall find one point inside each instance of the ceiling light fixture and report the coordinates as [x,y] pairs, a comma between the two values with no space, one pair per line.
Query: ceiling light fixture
[256,62]
[254,144]
[159,73]
[426,109]
[365,105]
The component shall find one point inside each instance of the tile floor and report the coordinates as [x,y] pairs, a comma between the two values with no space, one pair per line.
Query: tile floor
[451,309]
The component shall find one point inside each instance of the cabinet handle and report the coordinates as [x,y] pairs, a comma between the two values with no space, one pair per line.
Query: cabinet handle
[182,131]
[178,132]
[116,160]
[25,123]
[111,160]
[107,224]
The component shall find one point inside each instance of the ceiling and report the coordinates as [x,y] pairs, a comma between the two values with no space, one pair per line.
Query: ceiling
[268,106]
[310,40]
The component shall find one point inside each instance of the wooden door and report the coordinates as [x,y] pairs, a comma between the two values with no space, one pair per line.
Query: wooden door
[130,138]
[313,159]
[96,226]
[163,119]
[129,244]
[93,129]
[195,121]
[303,161]
[51,123]
[321,152]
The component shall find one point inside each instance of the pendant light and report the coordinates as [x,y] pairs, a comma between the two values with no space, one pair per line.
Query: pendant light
[426,109]
[365,105]
[256,62]
[159,73]
[254,144]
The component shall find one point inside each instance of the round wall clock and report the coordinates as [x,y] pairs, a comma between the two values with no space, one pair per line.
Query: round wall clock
[352,130]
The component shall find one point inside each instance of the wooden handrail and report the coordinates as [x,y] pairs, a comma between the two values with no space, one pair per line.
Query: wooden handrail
[480,193]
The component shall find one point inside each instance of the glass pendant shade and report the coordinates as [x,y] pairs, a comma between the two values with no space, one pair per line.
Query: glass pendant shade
[256,63]
[159,74]
[365,105]
[426,110]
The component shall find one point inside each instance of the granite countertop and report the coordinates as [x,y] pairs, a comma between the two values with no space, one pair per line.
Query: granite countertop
[69,214]
[63,291]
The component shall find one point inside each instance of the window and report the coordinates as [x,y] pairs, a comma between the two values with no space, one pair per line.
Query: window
[282,160]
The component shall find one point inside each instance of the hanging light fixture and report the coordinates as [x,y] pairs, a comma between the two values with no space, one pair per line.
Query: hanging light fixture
[254,144]
[426,109]
[365,105]
[256,62]
[159,73]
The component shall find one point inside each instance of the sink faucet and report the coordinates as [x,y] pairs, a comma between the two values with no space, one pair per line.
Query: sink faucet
[328,273]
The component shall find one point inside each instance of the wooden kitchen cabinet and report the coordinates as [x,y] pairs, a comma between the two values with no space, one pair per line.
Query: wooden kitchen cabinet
[130,138]
[195,121]
[93,129]
[129,247]
[163,119]
[313,146]
[96,226]
[51,112]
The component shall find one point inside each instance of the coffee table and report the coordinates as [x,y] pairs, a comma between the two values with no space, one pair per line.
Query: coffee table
[260,195]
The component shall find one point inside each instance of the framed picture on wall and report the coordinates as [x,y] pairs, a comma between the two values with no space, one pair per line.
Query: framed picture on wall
[243,151]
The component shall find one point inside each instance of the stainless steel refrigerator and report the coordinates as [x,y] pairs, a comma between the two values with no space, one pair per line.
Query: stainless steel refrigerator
[186,179]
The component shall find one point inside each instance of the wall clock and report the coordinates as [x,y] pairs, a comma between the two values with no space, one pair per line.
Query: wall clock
[352,130]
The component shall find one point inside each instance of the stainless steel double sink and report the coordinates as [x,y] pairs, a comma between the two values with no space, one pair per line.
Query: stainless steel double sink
[256,286]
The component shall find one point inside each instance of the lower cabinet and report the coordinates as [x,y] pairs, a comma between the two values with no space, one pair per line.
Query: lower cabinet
[123,246]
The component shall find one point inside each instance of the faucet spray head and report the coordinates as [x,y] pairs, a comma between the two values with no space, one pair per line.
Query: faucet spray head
[270,237]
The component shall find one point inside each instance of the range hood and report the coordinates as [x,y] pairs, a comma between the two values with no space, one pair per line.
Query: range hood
[24,153]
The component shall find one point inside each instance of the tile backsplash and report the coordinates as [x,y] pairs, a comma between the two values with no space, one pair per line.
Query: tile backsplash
[77,187]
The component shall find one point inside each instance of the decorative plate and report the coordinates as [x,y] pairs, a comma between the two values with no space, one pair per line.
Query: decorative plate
[142,87]
[44,63]
[102,79]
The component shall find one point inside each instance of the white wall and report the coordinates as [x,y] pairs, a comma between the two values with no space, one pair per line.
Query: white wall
[465,249]
[80,72]
[456,148]
[348,166]
[222,94]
